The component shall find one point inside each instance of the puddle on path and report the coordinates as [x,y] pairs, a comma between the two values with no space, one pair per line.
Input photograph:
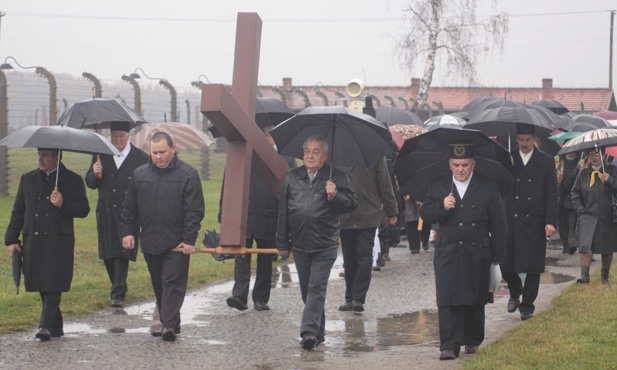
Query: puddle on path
[555,278]
[369,335]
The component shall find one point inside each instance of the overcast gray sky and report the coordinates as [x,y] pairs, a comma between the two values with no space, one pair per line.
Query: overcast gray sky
[318,41]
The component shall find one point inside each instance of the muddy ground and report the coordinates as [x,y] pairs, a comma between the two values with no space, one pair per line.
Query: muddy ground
[398,330]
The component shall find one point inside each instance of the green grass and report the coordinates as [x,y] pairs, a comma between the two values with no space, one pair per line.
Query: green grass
[578,331]
[90,289]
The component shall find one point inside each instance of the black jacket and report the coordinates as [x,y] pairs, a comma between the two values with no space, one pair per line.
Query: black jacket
[112,190]
[48,234]
[167,204]
[307,220]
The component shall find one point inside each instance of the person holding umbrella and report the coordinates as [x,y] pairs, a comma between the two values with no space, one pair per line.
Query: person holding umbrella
[472,224]
[532,208]
[312,198]
[592,196]
[43,213]
[111,174]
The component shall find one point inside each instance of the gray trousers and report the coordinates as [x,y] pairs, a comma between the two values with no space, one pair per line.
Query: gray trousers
[169,273]
[313,273]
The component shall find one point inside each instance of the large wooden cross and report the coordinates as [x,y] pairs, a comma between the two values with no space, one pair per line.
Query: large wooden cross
[234,116]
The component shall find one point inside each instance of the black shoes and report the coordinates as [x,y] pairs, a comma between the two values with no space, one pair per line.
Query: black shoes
[357,306]
[584,279]
[354,305]
[470,350]
[415,251]
[169,335]
[447,354]
[117,303]
[526,315]
[260,306]
[513,304]
[159,333]
[235,302]
[43,334]
[346,307]
[309,341]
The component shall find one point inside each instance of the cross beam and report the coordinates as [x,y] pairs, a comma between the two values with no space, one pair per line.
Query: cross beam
[234,116]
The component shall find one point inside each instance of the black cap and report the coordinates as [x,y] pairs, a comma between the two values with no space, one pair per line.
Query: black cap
[120,126]
[461,150]
[523,128]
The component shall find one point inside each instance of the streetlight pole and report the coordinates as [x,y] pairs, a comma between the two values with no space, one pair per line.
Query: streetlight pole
[610,56]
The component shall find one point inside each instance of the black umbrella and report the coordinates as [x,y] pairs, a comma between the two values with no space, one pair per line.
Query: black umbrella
[59,137]
[478,101]
[597,121]
[17,268]
[425,158]
[602,137]
[354,139]
[397,116]
[268,112]
[491,104]
[99,113]
[552,105]
[503,121]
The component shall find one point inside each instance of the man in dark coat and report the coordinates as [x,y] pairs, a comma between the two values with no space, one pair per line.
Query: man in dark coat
[472,235]
[44,216]
[310,203]
[567,171]
[261,229]
[532,207]
[373,188]
[165,202]
[111,176]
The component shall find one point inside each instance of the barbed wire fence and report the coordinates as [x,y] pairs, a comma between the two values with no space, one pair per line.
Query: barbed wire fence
[27,99]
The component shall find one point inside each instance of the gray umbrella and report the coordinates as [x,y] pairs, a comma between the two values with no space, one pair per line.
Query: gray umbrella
[397,116]
[99,113]
[59,137]
[17,267]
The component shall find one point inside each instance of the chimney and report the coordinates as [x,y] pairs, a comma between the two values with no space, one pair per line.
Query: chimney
[287,83]
[547,83]
[415,82]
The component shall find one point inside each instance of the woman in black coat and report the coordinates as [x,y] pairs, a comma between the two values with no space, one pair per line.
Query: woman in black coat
[592,199]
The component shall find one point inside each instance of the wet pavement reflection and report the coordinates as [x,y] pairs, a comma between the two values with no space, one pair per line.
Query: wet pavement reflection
[359,334]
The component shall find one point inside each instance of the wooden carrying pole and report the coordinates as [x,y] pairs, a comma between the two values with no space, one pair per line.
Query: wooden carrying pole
[231,250]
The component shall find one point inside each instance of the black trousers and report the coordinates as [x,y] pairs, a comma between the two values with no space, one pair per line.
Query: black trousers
[529,290]
[358,261]
[459,326]
[567,227]
[169,274]
[263,274]
[51,317]
[117,270]
[415,236]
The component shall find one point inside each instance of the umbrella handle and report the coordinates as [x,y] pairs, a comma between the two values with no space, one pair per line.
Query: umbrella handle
[100,174]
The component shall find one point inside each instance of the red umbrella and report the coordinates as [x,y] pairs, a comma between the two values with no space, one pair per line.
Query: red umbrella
[608,115]
[398,139]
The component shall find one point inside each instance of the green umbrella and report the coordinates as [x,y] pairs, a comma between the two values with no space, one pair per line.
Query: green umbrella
[564,136]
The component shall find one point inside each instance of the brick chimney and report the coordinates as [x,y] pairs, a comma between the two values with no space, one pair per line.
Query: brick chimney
[287,83]
[415,82]
[547,83]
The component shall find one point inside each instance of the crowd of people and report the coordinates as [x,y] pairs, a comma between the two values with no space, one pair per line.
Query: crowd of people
[156,200]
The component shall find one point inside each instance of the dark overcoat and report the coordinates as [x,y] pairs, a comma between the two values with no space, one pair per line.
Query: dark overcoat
[471,236]
[112,190]
[595,212]
[531,203]
[48,237]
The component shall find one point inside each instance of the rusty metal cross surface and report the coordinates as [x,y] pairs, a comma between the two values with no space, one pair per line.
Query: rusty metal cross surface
[234,116]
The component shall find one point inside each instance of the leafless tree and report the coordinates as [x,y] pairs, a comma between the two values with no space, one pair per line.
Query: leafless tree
[448,30]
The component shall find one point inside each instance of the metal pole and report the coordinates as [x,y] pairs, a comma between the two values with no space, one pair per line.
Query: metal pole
[4,128]
[610,56]
[53,109]
[174,100]
[98,90]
